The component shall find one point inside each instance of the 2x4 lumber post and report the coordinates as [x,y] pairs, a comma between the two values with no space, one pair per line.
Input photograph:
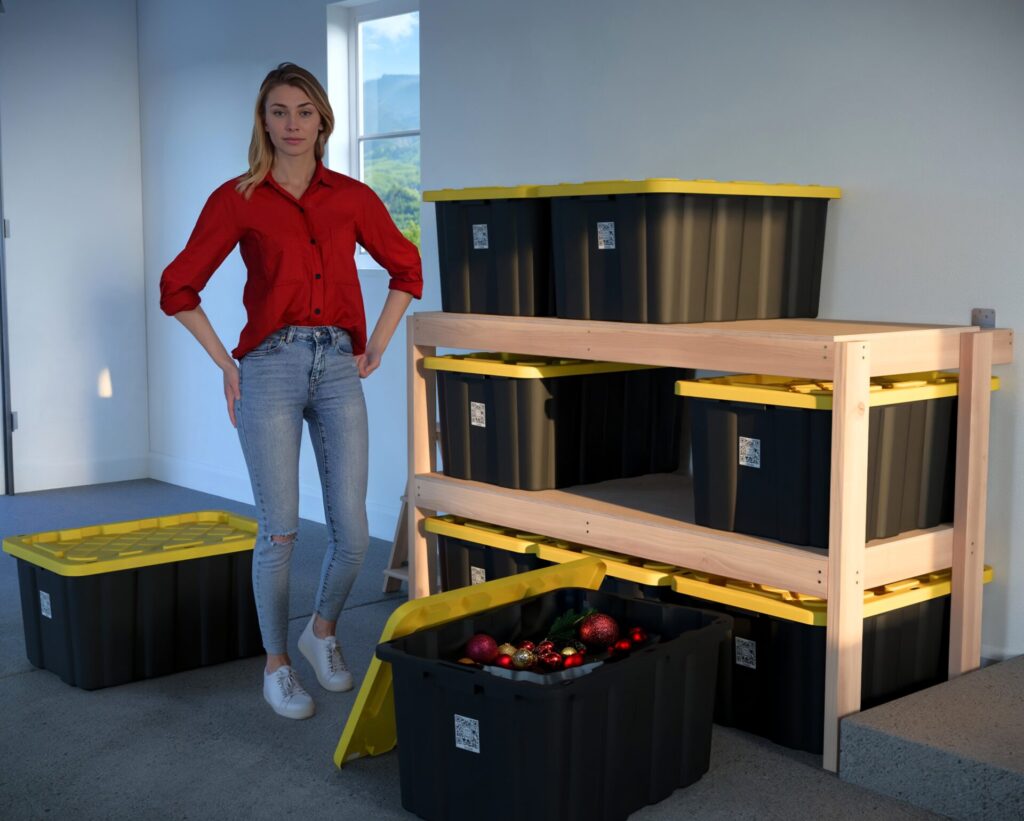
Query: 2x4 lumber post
[421,458]
[969,502]
[847,529]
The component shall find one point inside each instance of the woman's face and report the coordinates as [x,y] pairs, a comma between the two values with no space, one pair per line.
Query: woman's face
[291,120]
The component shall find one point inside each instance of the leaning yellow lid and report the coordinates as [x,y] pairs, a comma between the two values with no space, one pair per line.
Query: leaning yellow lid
[784,391]
[804,609]
[517,366]
[510,192]
[736,188]
[88,551]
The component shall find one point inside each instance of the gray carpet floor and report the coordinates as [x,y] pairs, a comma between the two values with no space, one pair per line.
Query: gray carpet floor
[203,744]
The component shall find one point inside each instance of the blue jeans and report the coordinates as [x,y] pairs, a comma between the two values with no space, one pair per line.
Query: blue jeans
[301,373]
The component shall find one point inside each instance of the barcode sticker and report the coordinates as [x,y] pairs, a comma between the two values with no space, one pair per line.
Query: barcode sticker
[467,733]
[480,237]
[746,653]
[750,452]
[44,604]
[477,575]
[478,414]
[606,236]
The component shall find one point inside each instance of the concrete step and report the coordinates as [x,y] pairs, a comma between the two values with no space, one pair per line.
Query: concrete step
[956,749]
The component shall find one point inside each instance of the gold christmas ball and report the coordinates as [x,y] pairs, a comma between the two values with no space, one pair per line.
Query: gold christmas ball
[569,651]
[507,649]
[523,659]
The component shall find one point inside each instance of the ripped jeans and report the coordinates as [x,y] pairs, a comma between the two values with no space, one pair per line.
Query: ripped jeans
[300,373]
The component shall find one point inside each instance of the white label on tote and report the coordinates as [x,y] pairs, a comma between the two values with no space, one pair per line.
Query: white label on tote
[606,236]
[480,237]
[467,733]
[477,575]
[478,414]
[750,452]
[746,653]
[44,604]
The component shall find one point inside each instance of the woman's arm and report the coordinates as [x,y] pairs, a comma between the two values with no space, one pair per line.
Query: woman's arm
[390,315]
[199,326]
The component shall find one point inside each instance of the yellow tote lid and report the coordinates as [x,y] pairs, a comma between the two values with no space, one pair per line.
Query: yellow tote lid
[515,366]
[810,610]
[479,533]
[739,188]
[817,395]
[88,551]
[511,192]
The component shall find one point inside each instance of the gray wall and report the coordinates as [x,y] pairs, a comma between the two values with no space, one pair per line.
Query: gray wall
[69,130]
[914,108]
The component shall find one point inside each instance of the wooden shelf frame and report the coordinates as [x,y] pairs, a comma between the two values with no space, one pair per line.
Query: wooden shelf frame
[847,353]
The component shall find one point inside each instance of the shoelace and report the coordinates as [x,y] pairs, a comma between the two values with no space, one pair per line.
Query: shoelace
[288,683]
[335,663]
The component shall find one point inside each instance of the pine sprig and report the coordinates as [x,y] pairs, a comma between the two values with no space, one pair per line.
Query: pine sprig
[563,628]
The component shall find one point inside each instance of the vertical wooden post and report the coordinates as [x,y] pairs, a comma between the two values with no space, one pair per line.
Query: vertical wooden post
[969,506]
[422,437]
[847,527]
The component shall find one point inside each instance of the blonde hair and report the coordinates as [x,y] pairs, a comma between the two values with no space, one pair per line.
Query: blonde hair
[261,149]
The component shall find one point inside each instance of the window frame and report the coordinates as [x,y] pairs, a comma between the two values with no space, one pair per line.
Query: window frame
[348,16]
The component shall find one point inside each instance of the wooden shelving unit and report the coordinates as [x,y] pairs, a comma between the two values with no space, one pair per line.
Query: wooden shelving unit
[615,516]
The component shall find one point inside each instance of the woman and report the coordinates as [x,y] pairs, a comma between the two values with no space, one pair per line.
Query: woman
[302,354]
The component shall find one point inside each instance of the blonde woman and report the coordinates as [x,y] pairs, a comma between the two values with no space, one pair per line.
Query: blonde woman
[301,354]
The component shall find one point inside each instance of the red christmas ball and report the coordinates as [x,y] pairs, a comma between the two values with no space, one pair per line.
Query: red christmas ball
[552,660]
[503,660]
[526,644]
[545,646]
[637,635]
[598,630]
[482,648]
[623,646]
[575,660]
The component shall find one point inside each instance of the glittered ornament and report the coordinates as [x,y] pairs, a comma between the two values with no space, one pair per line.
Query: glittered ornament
[623,646]
[544,647]
[504,660]
[524,659]
[507,649]
[526,644]
[553,660]
[598,630]
[637,635]
[482,648]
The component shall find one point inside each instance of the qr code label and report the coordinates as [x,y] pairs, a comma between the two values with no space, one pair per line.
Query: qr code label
[750,452]
[477,575]
[478,414]
[605,236]
[746,653]
[467,733]
[44,604]
[480,237]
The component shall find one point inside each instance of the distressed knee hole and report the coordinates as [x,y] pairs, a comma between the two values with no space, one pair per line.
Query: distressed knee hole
[283,539]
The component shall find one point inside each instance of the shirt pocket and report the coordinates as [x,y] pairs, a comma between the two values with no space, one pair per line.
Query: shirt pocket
[273,261]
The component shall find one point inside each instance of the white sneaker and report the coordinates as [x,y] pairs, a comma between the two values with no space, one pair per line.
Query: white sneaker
[325,657]
[285,695]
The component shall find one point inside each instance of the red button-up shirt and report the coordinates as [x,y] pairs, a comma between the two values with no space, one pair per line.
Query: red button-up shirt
[299,254]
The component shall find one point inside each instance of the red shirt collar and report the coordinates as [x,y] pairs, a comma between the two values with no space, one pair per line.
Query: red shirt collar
[319,177]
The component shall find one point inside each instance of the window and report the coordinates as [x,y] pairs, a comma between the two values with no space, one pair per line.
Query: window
[381,43]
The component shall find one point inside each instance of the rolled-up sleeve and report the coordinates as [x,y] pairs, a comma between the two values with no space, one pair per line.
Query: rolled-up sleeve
[379,235]
[212,239]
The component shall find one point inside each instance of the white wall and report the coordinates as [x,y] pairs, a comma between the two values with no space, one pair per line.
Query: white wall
[69,130]
[200,68]
[913,108]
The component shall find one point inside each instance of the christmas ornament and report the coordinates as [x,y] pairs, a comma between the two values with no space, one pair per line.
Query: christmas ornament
[598,630]
[623,646]
[504,660]
[575,660]
[569,651]
[524,659]
[526,644]
[552,660]
[507,649]
[637,635]
[482,648]
[470,662]
[563,630]
[544,647]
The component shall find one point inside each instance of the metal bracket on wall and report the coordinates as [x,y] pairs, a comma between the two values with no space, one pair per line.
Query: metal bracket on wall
[14,420]
[7,229]
[983,317]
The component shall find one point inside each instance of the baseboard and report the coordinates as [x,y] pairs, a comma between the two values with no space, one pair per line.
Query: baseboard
[235,485]
[35,476]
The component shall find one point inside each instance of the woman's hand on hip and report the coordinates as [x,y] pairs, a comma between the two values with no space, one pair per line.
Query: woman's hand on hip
[232,391]
[368,362]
